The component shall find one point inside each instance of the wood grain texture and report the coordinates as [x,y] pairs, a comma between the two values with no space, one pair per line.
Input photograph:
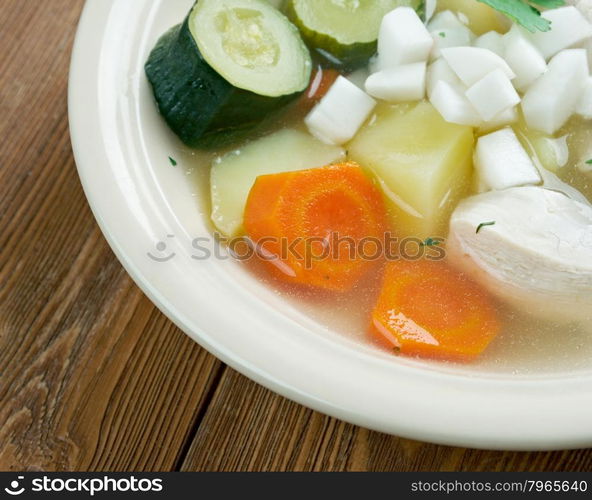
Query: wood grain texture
[248,428]
[92,376]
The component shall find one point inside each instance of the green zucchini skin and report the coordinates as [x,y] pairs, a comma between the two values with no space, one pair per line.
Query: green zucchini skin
[341,57]
[335,53]
[200,106]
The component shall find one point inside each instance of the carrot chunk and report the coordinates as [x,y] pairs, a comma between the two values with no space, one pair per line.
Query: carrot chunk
[428,309]
[308,225]
[320,83]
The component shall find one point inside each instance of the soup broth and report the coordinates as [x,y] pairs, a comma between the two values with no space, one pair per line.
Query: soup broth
[527,345]
[463,133]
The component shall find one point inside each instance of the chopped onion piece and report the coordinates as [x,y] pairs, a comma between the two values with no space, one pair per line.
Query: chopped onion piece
[584,105]
[430,8]
[523,57]
[450,37]
[403,39]
[453,105]
[552,99]
[341,113]
[501,162]
[472,63]
[503,119]
[560,150]
[492,40]
[445,20]
[568,28]
[403,83]
[441,70]
[492,95]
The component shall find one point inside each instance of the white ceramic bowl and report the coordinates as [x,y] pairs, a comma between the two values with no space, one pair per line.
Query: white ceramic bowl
[122,147]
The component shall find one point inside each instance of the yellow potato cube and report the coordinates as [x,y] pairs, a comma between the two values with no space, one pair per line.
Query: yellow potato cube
[423,163]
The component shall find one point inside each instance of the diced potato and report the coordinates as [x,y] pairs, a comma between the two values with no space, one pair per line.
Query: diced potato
[423,163]
[233,175]
[482,18]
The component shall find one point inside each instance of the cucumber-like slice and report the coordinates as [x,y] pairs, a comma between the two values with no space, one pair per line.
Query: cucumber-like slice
[346,30]
[201,105]
[252,45]
[233,175]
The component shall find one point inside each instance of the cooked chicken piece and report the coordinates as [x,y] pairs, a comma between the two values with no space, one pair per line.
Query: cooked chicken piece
[530,246]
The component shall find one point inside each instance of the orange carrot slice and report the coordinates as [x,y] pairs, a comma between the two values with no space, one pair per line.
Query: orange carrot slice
[428,309]
[308,225]
[320,83]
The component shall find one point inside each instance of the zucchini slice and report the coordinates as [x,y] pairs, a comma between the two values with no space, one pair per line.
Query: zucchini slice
[233,175]
[342,30]
[226,68]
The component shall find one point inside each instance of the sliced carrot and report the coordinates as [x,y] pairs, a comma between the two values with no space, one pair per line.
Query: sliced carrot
[428,309]
[320,83]
[308,225]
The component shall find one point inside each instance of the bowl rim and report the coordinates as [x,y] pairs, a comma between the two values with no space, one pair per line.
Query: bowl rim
[313,369]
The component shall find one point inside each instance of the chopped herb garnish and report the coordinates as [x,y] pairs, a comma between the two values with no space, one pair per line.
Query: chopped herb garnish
[523,13]
[431,242]
[442,34]
[589,162]
[173,161]
[484,224]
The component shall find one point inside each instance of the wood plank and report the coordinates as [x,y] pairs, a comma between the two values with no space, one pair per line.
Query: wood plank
[92,376]
[248,428]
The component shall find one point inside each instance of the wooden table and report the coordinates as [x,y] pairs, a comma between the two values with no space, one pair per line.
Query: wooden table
[92,375]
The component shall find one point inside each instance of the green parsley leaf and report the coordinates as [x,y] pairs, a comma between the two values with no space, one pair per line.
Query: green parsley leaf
[442,34]
[548,4]
[484,224]
[522,13]
[173,161]
[589,162]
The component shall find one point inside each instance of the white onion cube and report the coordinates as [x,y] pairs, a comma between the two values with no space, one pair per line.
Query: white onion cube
[507,117]
[588,46]
[403,39]
[448,31]
[501,162]
[524,58]
[472,63]
[451,37]
[339,115]
[559,149]
[492,95]
[441,70]
[552,99]
[403,83]
[493,41]
[359,77]
[568,28]
[453,105]
[374,65]
[445,20]
[584,104]
[430,8]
